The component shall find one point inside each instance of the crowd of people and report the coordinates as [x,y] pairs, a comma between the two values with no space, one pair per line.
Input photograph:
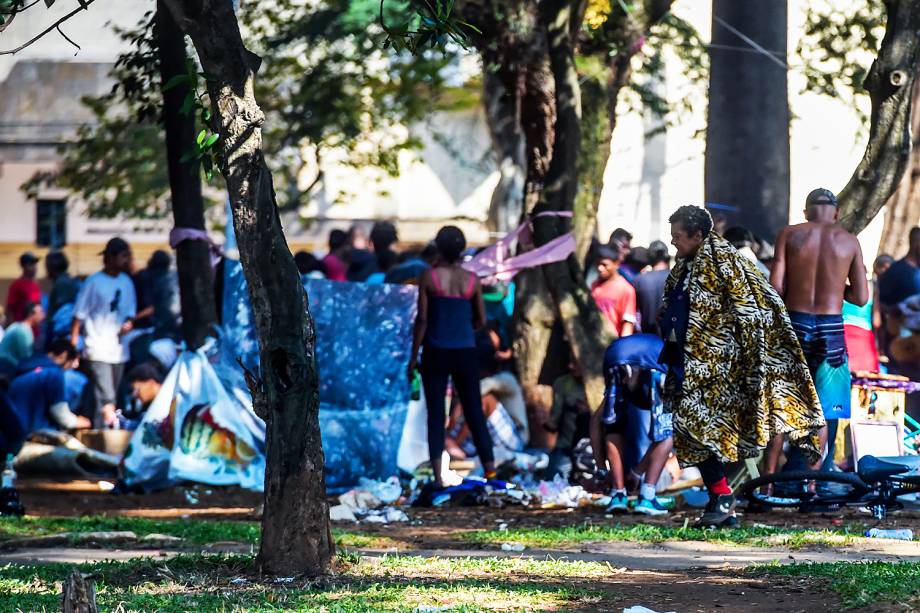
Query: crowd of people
[89,352]
[735,349]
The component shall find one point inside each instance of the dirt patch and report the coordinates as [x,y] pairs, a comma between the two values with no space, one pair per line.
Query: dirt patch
[693,591]
[75,498]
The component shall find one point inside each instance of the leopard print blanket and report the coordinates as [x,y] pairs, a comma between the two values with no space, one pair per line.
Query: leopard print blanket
[745,374]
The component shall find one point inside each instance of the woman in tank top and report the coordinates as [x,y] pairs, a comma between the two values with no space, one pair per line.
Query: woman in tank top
[450,309]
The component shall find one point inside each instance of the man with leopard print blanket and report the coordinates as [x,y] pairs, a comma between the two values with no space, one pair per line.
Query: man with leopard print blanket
[736,373]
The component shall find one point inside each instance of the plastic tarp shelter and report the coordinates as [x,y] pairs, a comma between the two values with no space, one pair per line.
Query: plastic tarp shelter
[363,341]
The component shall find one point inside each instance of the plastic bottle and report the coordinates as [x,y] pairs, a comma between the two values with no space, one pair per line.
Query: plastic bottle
[903,534]
[9,497]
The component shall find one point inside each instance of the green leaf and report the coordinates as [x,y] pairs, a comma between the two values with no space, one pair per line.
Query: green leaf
[175,81]
[188,104]
[210,140]
[201,136]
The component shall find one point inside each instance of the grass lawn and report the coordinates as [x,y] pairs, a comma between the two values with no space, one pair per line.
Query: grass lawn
[209,583]
[193,531]
[197,532]
[859,584]
[548,538]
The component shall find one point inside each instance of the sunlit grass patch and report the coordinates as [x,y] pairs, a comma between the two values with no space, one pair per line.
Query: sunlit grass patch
[859,584]
[391,583]
[564,536]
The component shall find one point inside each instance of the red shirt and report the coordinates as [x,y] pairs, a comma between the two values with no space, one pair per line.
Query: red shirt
[22,292]
[617,301]
[335,268]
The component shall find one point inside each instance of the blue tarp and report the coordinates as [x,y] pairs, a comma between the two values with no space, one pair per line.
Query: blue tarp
[363,340]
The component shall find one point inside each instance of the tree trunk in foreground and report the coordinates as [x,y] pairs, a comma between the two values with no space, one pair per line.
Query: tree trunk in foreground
[79,594]
[747,133]
[193,258]
[903,209]
[296,537]
[890,84]
[581,320]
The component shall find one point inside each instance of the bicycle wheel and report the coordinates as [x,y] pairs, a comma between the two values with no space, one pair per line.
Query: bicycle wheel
[804,487]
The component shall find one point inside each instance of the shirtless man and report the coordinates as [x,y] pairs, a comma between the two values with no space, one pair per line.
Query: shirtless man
[819,264]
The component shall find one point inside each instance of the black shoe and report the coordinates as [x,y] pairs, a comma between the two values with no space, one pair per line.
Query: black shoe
[719,513]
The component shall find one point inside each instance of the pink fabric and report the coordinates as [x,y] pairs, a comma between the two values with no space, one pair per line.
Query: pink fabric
[178,235]
[495,263]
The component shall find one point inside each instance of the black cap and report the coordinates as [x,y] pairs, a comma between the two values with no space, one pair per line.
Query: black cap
[821,196]
[28,258]
[115,246]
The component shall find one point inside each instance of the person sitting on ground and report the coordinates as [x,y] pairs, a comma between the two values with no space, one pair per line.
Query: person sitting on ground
[650,287]
[146,380]
[60,352]
[568,419]
[634,422]
[450,309]
[335,261]
[39,396]
[18,341]
[24,290]
[613,294]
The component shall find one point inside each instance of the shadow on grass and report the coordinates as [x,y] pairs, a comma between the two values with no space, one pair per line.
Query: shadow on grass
[229,582]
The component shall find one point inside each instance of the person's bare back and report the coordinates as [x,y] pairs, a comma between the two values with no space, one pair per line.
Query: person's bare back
[814,261]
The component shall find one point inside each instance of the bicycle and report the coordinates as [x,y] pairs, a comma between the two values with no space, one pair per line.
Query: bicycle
[876,484]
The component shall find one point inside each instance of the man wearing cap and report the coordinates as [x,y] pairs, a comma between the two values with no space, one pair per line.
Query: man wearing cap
[23,290]
[105,308]
[817,266]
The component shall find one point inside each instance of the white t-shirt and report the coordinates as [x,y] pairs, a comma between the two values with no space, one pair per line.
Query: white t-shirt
[103,305]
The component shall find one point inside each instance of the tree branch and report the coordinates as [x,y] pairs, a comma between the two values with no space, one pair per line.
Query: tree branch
[889,83]
[84,4]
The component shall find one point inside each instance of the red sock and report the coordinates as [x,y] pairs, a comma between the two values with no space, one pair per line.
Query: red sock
[719,488]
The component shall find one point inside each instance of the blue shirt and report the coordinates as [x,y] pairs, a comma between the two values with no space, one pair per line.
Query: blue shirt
[639,351]
[899,282]
[673,324]
[33,393]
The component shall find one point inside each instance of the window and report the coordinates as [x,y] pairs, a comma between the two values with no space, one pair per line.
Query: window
[51,220]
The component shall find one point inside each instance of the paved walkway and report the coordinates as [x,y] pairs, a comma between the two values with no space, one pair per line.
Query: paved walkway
[672,555]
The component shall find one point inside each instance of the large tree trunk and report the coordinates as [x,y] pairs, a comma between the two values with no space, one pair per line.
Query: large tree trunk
[502,104]
[903,210]
[296,536]
[581,321]
[193,257]
[747,133]
[890,84]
